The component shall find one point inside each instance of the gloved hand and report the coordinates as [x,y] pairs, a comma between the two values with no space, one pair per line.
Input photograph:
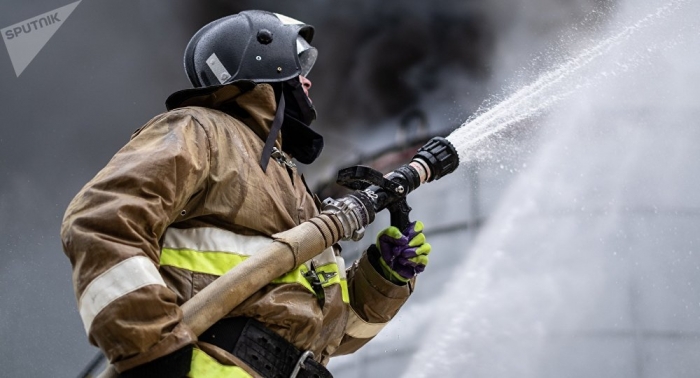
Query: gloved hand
[403,255]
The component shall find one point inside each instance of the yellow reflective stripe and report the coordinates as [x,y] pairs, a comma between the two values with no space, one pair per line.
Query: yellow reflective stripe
[330,275]
[205,366]
[344,291]
[296,276]
[218,263]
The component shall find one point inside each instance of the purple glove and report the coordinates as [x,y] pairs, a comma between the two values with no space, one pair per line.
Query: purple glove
[403,254]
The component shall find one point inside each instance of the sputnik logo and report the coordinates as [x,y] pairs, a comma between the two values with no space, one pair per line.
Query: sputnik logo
[24,40]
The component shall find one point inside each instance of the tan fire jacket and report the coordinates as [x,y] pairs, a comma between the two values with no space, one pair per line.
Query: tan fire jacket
[182,203]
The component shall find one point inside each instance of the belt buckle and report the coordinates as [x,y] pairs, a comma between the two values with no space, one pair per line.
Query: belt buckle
[282,158]
[300,363]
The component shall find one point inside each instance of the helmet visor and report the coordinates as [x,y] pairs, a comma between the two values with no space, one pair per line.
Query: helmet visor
[307,55]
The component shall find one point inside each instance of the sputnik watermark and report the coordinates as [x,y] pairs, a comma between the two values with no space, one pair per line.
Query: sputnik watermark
[24,40]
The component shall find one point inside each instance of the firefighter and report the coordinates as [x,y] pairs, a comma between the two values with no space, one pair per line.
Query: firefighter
[202,187]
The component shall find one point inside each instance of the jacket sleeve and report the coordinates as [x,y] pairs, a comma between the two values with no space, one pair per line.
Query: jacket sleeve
[374,301]
[111,232]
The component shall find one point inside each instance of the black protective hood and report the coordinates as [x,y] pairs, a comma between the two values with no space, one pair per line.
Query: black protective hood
[298,139]
[209,97]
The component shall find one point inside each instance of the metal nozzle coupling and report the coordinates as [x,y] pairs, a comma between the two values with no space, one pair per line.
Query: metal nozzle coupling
[435,159]
[354,212]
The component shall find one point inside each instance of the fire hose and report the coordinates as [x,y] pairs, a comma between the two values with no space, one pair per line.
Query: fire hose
[340,219]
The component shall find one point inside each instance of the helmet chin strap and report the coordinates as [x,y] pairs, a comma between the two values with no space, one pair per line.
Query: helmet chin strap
[274,132]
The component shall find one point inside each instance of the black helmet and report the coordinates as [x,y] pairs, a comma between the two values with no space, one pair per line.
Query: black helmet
[254,45]
[258,47]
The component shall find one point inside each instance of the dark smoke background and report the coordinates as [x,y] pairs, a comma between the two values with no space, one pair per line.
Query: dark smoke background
[111,65]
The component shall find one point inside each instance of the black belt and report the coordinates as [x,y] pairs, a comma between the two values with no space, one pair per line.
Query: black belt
[263,350]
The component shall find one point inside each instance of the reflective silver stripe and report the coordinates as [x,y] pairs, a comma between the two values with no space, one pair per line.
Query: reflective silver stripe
[361,329]
[325,257]
[341,266]
[119,280]
[288,20]
[328,257]
[218,69]
[210,239]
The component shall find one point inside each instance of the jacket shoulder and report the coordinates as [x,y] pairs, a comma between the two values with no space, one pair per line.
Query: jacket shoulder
[217,124]
[205,117]
[169,119]
[209,117]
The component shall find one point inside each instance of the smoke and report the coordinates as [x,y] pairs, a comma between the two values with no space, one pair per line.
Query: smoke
[377,59]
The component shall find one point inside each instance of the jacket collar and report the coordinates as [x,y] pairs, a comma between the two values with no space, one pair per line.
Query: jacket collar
[253,104]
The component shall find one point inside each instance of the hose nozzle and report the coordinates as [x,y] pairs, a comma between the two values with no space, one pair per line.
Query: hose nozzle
[435,159]
[375,190]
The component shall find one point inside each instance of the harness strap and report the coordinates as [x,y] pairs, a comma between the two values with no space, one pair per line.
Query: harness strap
[262,349]
[274,131]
